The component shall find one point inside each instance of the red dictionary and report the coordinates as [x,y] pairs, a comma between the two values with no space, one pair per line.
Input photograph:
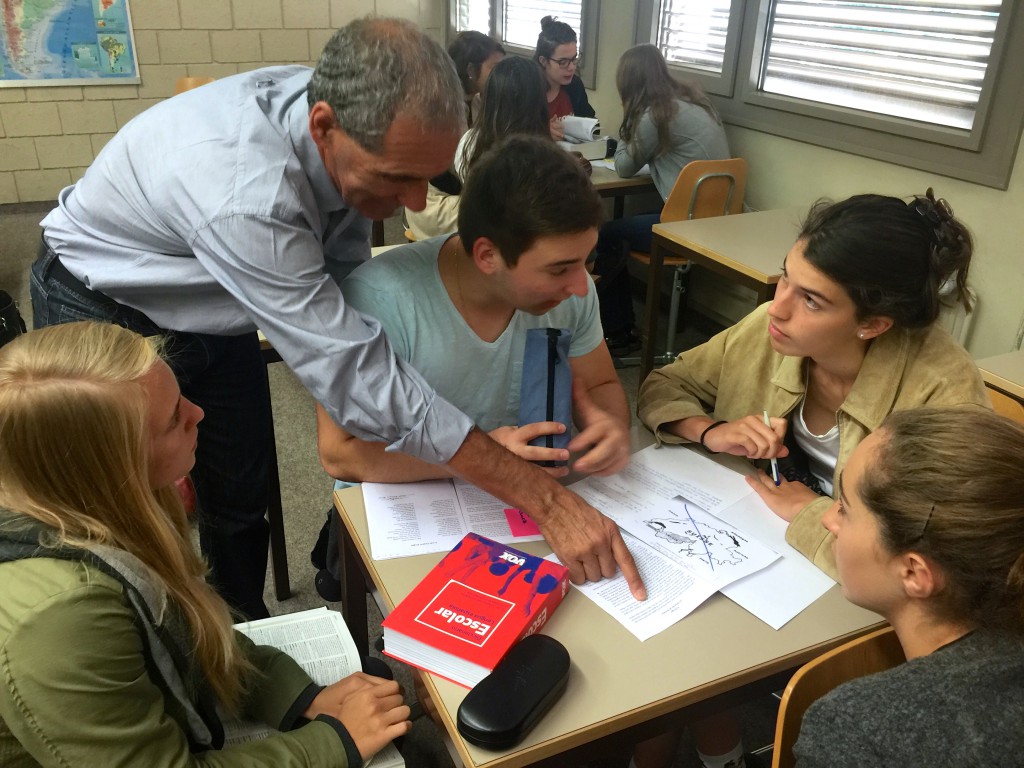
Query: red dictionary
[479,601]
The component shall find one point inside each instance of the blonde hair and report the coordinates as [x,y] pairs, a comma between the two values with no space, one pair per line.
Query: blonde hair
[75,457]
[948,483]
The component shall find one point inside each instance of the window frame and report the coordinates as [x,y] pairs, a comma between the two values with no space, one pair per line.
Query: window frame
[984,155]
[587,34]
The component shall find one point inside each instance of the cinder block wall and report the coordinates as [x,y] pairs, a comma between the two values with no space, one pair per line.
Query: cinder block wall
[49,135]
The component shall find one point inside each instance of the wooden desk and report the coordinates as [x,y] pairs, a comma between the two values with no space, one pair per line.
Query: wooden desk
[618,687]
[609,184]
[748,248]
[1005,373]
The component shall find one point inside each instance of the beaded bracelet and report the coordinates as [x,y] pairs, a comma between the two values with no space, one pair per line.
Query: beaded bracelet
[709,428]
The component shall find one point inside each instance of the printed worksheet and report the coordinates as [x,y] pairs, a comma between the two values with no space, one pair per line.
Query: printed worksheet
[432,516]
[672,592]
[706,546]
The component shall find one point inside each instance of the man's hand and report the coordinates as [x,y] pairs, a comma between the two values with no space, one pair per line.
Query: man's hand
[786,500]
[370,708]
[517,440]
[588,543]
[585,540]
[749,437]
[604,439]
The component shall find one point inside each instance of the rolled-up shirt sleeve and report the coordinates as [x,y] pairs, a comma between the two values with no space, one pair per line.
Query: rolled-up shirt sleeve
[273,265]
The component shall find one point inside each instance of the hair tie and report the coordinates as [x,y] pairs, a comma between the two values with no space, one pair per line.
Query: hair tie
[936,213]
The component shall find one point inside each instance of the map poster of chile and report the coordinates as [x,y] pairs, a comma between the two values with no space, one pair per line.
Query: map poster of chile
[66,42]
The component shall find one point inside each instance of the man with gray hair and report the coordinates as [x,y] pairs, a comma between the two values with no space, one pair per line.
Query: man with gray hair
[239,205]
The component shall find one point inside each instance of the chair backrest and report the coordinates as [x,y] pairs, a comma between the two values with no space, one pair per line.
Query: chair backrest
[706,188]
[1005,405]
[874,652]
[953,317]
[188,83]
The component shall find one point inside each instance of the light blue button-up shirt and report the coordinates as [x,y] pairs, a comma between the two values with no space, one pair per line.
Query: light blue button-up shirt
[212,212]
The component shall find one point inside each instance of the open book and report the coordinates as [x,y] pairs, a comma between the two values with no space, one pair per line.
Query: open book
[322,645]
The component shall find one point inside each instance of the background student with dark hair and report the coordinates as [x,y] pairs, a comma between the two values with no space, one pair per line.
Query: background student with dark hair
[666,124]
[928,531]
[513,103]
[557,55]
[475,55]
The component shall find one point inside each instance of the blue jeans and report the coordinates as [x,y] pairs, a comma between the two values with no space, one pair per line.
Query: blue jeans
[226,377]
[614,242]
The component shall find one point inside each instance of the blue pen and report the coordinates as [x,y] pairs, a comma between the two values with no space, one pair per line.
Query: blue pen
[775,464]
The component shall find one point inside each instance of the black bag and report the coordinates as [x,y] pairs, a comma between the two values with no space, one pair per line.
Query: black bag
[11,323]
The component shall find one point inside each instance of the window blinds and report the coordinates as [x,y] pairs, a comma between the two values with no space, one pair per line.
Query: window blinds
[693,32]
[914,59]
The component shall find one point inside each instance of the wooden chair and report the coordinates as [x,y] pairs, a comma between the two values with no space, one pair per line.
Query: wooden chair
[188,83]
[1005,405]
[704,188]
[866,655]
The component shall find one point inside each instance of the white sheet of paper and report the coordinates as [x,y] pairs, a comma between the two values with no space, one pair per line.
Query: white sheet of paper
[320,641]
[644,170]
[675,470]
[431,516]
[774,594]
[790,584]
[672,592]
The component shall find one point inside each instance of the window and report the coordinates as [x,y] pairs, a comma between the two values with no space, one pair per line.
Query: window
[693,33]
[517,23]
[915,60]
[920,83]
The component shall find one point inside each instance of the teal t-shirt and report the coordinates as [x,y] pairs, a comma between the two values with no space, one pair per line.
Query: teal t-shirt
[402,289]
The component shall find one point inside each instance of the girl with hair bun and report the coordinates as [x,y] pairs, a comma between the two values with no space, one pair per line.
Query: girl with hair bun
[849,338]
[557,55]
[929,532]
[114,649]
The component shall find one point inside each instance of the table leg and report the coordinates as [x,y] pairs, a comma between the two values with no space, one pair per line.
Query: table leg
[652,307]
[619,206]
[353,592]
[377,234]
[275,518]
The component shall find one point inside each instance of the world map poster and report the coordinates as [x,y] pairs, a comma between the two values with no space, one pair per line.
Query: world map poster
[66,42]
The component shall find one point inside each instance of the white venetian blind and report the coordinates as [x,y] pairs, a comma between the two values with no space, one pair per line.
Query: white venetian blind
[522,19]
[473,15]
[692,33]
[914,59]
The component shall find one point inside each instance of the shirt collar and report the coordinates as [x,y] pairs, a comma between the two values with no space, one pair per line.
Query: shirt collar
[294,116]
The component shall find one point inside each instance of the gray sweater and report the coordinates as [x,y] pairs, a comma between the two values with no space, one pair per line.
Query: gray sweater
[695,136]
[962,705]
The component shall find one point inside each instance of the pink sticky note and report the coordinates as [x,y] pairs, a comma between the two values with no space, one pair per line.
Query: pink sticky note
[521,523]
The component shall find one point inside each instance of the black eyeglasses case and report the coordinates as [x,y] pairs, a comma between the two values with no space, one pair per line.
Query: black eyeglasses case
[503,707]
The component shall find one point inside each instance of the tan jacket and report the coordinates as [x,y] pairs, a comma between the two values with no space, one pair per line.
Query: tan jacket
[737,373]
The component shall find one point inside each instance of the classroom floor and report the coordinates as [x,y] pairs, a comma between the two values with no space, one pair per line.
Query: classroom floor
[305,489]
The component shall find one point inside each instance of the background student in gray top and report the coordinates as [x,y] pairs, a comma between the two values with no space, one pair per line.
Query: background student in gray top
[929,532]
[666,124]
[237,206]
